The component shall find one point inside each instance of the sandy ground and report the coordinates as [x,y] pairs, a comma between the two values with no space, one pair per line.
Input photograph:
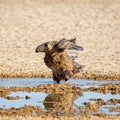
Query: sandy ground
[24,24]
[57,118]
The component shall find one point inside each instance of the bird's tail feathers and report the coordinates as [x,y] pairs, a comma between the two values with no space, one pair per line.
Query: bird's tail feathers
[77,67]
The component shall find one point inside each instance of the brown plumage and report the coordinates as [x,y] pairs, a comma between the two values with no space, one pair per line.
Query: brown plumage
[59,60]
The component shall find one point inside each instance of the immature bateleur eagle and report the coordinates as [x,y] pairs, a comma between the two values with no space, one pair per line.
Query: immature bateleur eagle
[60,59]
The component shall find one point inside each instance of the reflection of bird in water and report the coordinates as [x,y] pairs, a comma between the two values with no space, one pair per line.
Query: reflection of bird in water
[60,59]
[61,102]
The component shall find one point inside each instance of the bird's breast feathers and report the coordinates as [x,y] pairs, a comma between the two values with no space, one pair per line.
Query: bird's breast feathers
[58,60]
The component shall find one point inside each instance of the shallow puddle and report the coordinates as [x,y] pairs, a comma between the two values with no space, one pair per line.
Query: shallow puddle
[57,101]
[107,109]
[25,98]
[88,96]
[24,82]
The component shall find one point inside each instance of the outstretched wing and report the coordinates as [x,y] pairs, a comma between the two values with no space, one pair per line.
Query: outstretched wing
[40,48]
[68,44]
[61,45]
[72,54]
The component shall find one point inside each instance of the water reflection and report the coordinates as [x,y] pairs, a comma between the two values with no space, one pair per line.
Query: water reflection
[62,103]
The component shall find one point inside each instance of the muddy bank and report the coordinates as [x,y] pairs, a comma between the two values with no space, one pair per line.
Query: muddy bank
[57,88]
[106,88]
[57,117]
[83,75]
[27,23]
[60,98]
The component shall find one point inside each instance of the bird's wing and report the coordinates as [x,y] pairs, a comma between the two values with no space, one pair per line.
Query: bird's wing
[63,44]
[77,66]
[73,45]
[40,48]
[72,54]
[68,44]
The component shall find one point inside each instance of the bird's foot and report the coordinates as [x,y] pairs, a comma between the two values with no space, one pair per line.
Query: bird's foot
[66,82]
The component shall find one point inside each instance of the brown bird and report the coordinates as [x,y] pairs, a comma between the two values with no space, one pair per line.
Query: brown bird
[60,59]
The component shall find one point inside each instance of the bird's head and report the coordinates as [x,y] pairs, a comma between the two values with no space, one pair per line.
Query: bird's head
[48,46]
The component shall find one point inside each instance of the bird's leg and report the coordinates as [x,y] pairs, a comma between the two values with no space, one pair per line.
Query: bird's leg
[66,82]
[57,81]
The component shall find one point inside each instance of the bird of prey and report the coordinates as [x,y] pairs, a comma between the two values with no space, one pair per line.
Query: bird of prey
[60,59]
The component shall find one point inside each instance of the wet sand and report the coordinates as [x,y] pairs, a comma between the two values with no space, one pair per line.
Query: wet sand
[58,102]
[27,23]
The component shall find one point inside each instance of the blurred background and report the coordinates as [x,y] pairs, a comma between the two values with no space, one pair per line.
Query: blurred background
[24,24]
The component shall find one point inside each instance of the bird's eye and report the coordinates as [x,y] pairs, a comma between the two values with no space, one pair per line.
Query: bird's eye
[46,45]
